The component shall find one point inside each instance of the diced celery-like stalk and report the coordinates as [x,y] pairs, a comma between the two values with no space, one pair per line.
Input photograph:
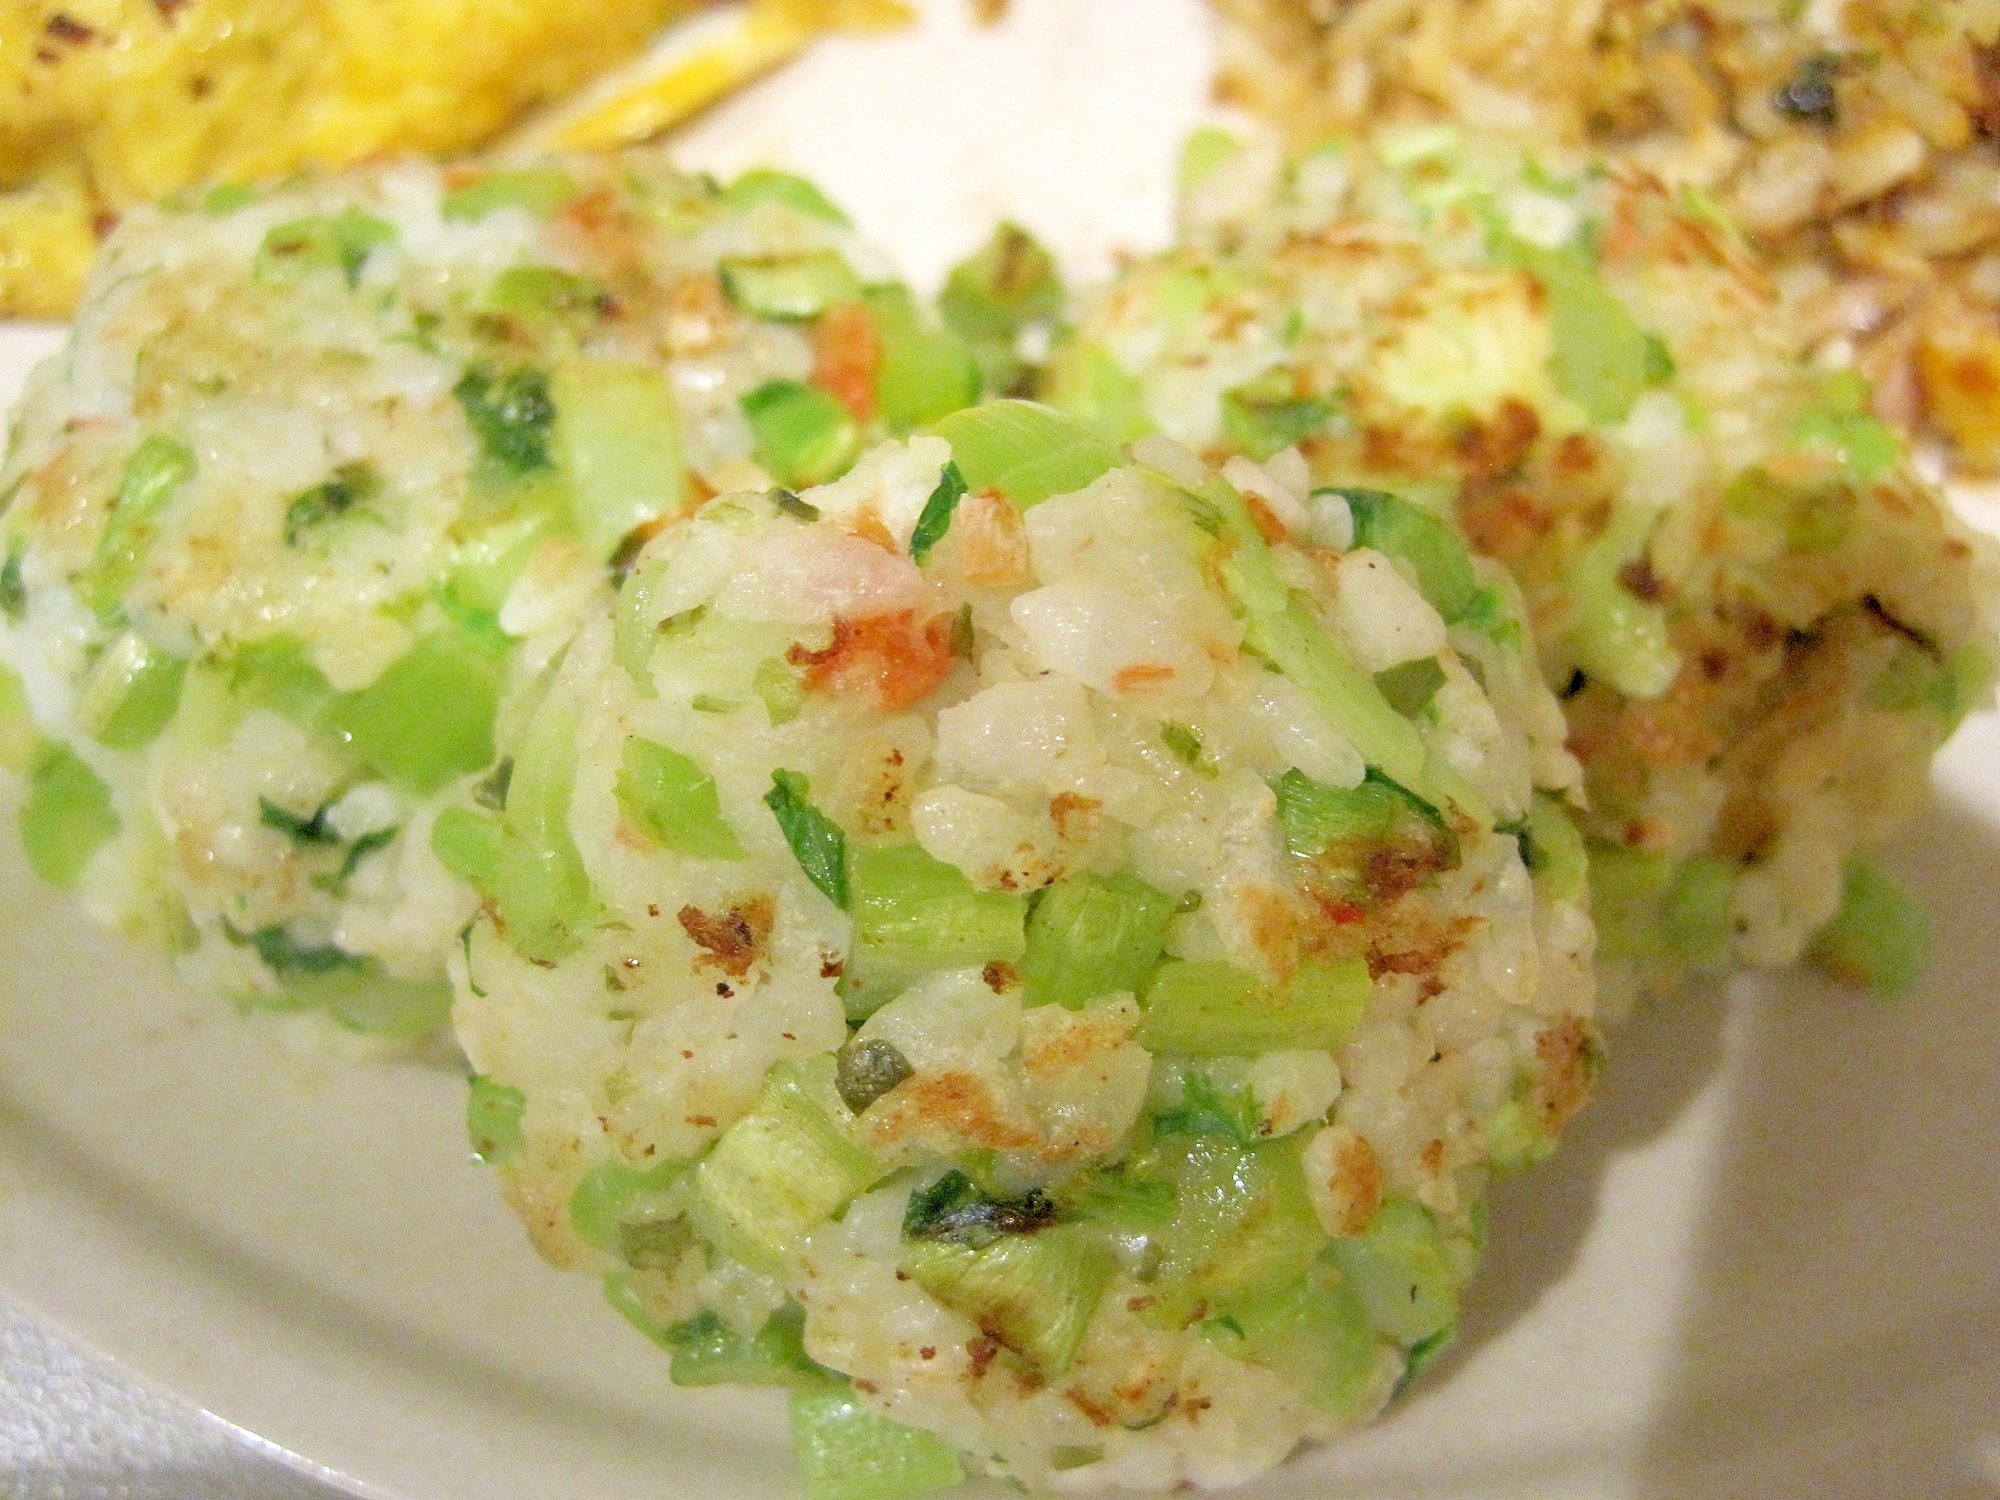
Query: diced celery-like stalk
[1243,1230]
[1010,283]
[1515,1139]
[66,816]
[131,694]
[1916,680]
[428,717]
[493,558]
[1553,849]
[1032,1293]
[802,435]
[1410,687]
[914,914]
[541,887]
[1316,817]
[635,624]
[1084,382]
[1211,1009]
[493,1113]
[1880,934]
[1599,356]
[543,292]
[1025,451]
[1091,935]
[776,1174]
[707,1351]
[613,1195]
[1614,634]
[154,474]
[1402,529]
[539,190]
[673,801]
[468,844]
[1317,1337]
[1404,1271]
[617,438]
[274,674]
[1626,888]
[923,372]
[789,288]
[847,1451]
[767,185]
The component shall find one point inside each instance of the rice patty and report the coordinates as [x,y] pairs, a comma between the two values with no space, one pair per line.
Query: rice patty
[991,953]
[321,477]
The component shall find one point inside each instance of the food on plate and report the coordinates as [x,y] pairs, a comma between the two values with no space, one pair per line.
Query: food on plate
[325,476]
[1039,949]
[1761,621]
[114,103]
[1853,143]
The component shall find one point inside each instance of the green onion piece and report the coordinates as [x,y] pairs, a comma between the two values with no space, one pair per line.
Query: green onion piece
[131,694]
[617,439]
[541,886]
[1697,915]
[468,844]
[913,915]
[776,1174]
[511,416]
[612,1197]
[778,685]
[1267,415]
[1403,529]
[66,816]
[429,717]
[155,472]
[1244,1225]
[1025,451]
[274,674]
[1010,283]
[1212,1009]
[1404,1272]
[1515,1138]
[1879,936]
[1411,686]
[353,988]
[1206,1110]
[1031,1293]
[1615,634]
[227,197]
[1552,849]
[336,883]
[1092,935]
[801,435]
[707,1351]
[1085,383]
[922,372]
[844,1450]
[635,624]
[1317,818]
[490,560]
[936,518]
[543,292]
[673,802]
[766,185]
[1186,744]
[493,1113]
[789,288]
[336,242]
[348,486]
[1126,1203]
[539,190]
[1599,356]
[1318,1338]
[817,842]
[1205,150]
[1626,889]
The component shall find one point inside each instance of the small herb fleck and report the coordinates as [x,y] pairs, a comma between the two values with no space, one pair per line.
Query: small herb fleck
[791,505]
[936,518]
[1186,743]
[491,793]
[312,830]
[349,485]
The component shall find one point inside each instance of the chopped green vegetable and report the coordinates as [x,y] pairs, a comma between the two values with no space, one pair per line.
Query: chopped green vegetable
[1205,150]
[1031,1292]
[227,197]
[791,505]
[1318,1338]
[155,472]
[1618,634]
[1915,679]
[13,592]
[1861,442]
[789,288]
[543,292]
[511,416]
[131,694]
[766,185]
[1403,1270]
[540,885]
[817,842]
[778,685]
[1599,356]
[1186,744]
[349,485]
[306,830]
[1411,686]
[18,739]
[955,1210]
[353,988]
[1814,517]
[1266,415]
[1350,823]
[429,716]
[914,914]
[778,1172]
[845,1450]
[617,440]
[336,883]
[865,1071]
[936,518]
[1626,888]
[1552,848]
[1879,936]
[539,190]
[1092,935]
[802,436]
[1086,383]
[707,1351]
[673,802]
[341,242]
[1402,529]
[493,1120]
[1697,918]
[468,844]
[1206,1110]
[921,372]
[614,1204]
[66,816]
[1010,283]
[1024,451]
[1213,1009]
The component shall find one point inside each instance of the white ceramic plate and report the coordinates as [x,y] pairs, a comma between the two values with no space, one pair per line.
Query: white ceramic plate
[1766,1264]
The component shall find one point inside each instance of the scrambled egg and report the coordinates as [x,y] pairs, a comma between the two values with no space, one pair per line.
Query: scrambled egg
[108,103]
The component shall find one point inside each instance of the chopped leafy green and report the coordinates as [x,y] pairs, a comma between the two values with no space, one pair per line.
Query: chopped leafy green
[817,841]
[66,816]
[1092,935]
[349,485]
[1206,1110]
[954,1209]
[802,435]
[1024,451]
[511,415]
[672,801]
[306,830]
[936,518]
[1879,936]
[155,472]
[846,1450]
